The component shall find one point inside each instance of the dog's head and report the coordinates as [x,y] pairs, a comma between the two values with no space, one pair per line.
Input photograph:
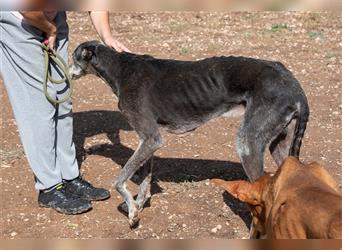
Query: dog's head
[84,59]
[254,194]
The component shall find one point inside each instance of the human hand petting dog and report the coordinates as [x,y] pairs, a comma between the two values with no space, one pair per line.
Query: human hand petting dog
[115,44]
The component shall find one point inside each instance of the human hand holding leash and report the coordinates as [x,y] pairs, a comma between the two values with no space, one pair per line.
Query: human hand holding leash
[51,38]
[39,20]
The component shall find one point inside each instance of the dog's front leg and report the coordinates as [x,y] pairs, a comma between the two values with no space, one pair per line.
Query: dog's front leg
[145,186]
[144,151]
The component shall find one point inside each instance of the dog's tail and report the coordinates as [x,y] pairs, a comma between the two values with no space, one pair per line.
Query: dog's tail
[302,119]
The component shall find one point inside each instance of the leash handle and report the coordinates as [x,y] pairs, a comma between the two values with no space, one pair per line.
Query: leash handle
[50,54]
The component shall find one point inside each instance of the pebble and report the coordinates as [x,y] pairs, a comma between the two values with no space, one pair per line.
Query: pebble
[215,229]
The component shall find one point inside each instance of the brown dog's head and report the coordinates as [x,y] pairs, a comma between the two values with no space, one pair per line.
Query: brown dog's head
[254,194]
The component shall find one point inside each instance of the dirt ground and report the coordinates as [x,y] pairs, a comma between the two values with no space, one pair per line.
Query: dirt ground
[184,204]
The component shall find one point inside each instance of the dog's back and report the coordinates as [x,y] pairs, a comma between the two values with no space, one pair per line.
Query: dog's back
[187,94]
[298,201]
[307,203]
[182,95]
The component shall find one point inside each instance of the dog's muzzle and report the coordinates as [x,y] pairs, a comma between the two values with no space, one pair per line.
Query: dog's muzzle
[75,71]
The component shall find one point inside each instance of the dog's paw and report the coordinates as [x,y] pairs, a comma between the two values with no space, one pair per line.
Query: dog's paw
[134,222]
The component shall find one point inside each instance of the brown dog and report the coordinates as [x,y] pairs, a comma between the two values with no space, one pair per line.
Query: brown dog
[298,201]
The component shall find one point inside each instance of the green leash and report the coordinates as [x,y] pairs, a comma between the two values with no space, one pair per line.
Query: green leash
[51,55]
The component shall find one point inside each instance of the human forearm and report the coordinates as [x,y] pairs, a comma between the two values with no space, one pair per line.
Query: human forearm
[40,21]
[100,20]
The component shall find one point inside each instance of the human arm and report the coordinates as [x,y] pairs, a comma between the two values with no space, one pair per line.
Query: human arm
[41,22]
[100,20]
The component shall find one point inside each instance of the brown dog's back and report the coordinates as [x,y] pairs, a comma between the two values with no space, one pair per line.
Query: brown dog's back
[309,195]
[307,207]
[298,201]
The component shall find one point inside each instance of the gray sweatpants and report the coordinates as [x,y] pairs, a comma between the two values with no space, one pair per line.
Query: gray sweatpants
[45,130]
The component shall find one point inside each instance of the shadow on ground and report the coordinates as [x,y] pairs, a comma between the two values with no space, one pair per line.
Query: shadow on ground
[90,123]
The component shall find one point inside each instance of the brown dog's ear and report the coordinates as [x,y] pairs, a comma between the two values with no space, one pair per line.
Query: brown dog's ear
[243,190]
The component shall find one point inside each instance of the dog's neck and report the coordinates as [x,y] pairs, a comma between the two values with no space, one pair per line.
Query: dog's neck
[109,57]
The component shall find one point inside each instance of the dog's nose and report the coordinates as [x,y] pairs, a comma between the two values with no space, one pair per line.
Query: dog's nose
[72,72]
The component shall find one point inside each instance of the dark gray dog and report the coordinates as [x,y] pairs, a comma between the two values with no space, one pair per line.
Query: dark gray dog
[182,95]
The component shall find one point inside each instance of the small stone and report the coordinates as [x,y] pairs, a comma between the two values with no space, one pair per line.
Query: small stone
[14,234]
[214,230]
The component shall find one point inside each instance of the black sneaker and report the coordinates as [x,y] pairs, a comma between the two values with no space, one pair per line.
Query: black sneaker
[85,190]
[62,201]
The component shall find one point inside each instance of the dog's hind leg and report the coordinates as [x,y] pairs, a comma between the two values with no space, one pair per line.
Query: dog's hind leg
[145,186]
[147,146]
[281,145]
[259,128]
[251,152]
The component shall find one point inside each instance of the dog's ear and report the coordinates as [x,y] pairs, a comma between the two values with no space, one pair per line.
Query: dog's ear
[87,54]
[243,190]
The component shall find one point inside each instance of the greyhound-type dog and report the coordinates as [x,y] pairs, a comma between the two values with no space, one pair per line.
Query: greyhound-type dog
[300,201]
[182,95]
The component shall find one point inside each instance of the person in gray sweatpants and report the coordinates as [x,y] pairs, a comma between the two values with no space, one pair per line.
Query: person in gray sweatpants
[46,129]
